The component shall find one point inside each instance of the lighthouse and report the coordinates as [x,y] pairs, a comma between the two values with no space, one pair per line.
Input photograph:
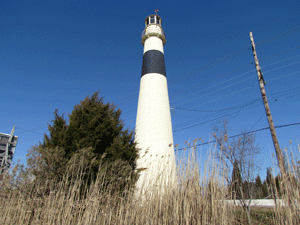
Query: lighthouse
[153,130]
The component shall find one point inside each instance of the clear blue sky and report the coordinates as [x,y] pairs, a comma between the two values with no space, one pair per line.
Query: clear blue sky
[55,53]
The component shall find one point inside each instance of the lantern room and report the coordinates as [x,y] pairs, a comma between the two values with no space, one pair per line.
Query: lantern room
[153,19]
[153,28]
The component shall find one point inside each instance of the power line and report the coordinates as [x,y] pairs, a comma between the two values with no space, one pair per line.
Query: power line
[216,62]
[242,107]
[281,67]
[25,130]
[129,116]
[220,97]
[286,91]
[236,76]
[202,90]
[216,110]
[129,111]
[127,99]
[276,78]
[207,121]
[192,109]
[230,85]
[287,97]
[217,114]
[223,113]
[203,118]
[211,80]
[237,135]
[257,121]
[279,36]
[130,96]
[278,19]
[209,101]
[212,87]
[279,54]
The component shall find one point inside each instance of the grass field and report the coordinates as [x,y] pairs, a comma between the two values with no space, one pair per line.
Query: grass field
[73,200]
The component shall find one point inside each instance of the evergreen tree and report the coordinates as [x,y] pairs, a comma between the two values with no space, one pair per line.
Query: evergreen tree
[270,182]
[97,125]
[265,192]
[278,181]
[58,133]
[258,187]
[237,181]
[95,133]
[269,178]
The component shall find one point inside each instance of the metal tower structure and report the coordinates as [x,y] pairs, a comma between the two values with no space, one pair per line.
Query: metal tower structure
[8,143]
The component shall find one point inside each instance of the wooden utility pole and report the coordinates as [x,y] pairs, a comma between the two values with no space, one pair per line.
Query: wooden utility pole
[268,111]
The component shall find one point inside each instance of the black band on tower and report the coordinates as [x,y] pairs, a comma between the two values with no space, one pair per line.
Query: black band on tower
[153,62]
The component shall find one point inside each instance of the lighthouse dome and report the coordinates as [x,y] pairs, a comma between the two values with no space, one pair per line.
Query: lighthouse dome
[153,19]
[153,28]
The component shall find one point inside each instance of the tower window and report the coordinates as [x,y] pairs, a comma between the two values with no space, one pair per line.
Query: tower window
[158,20]
[152,19]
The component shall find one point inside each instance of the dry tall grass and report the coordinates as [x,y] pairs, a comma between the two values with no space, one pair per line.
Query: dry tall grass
[289,191]
[75,201]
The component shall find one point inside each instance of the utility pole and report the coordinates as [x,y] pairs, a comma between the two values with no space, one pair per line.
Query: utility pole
[268,111]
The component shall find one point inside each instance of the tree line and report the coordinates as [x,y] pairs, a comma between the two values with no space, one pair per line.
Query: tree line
[254,189]
[239,161]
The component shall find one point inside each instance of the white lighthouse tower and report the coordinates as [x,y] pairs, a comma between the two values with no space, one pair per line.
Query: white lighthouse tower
[153,131]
